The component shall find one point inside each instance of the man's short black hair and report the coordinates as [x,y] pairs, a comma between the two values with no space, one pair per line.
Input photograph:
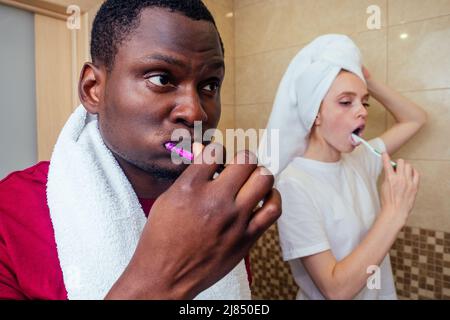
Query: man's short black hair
[117,19]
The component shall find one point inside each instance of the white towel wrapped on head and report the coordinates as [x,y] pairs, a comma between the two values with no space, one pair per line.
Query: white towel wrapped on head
[301,91]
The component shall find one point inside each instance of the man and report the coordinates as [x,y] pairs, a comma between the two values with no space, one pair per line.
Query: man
[157,67]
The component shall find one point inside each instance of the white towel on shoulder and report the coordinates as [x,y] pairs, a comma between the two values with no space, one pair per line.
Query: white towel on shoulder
[97,217]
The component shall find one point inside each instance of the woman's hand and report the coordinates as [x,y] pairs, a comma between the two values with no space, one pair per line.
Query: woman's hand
[366,73]
[369,80]
[398,191]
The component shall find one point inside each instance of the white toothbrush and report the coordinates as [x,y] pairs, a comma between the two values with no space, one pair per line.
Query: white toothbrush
[357,138]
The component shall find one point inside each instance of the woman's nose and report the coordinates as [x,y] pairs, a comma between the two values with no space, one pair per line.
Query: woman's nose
[362,111]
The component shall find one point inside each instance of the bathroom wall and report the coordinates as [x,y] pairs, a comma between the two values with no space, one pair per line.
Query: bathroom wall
[410,52]
[222,10]
[419,68]
[17,106]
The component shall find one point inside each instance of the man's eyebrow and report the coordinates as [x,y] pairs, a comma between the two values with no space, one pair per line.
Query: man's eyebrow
[219,64]
[165,58]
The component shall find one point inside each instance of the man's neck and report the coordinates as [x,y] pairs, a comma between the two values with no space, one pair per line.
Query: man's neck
[145,186]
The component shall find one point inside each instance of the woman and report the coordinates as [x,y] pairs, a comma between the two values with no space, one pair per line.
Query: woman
[333,231]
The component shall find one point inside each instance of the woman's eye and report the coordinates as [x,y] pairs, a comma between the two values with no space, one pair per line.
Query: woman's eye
[366,105]
[159,80]
[345,103]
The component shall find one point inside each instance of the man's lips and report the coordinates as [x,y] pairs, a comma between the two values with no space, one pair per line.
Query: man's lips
[172,147]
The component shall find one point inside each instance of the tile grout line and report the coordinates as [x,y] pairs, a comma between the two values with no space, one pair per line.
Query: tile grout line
[386,115]
[418,20]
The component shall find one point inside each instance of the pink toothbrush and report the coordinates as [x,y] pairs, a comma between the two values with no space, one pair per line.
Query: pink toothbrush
[179,151]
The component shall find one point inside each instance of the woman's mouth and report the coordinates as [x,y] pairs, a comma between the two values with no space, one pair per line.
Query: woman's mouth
[358,131]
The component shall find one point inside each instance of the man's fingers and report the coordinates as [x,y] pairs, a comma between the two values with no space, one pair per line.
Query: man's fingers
[264,217]
[207,162]
[197,148]
[234,176]
[257,187]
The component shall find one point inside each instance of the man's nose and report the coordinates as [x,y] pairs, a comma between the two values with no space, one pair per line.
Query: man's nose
[189,108]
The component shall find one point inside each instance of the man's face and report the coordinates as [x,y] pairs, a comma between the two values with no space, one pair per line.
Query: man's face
[166,75]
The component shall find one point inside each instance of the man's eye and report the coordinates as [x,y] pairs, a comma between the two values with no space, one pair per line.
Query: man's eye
[159,80]
[211,87]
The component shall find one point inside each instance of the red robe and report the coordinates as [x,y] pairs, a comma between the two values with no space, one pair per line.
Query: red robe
[29,264]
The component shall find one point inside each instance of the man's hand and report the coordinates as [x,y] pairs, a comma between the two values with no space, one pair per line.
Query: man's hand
[199,230]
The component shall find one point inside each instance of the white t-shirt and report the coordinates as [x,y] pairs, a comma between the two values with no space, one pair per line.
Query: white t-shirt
[331,206]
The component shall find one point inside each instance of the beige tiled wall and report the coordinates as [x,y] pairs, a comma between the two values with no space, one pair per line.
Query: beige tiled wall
[419,67]
[268,33]
[222,10]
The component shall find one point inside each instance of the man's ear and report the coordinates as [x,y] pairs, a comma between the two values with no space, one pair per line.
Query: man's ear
[91,87]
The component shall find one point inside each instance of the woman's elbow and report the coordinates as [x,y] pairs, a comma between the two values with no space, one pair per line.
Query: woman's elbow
[423,119]
[333,295]
[337,294]
[419,121]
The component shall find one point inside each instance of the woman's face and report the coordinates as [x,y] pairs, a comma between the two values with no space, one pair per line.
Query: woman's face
[343,112]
